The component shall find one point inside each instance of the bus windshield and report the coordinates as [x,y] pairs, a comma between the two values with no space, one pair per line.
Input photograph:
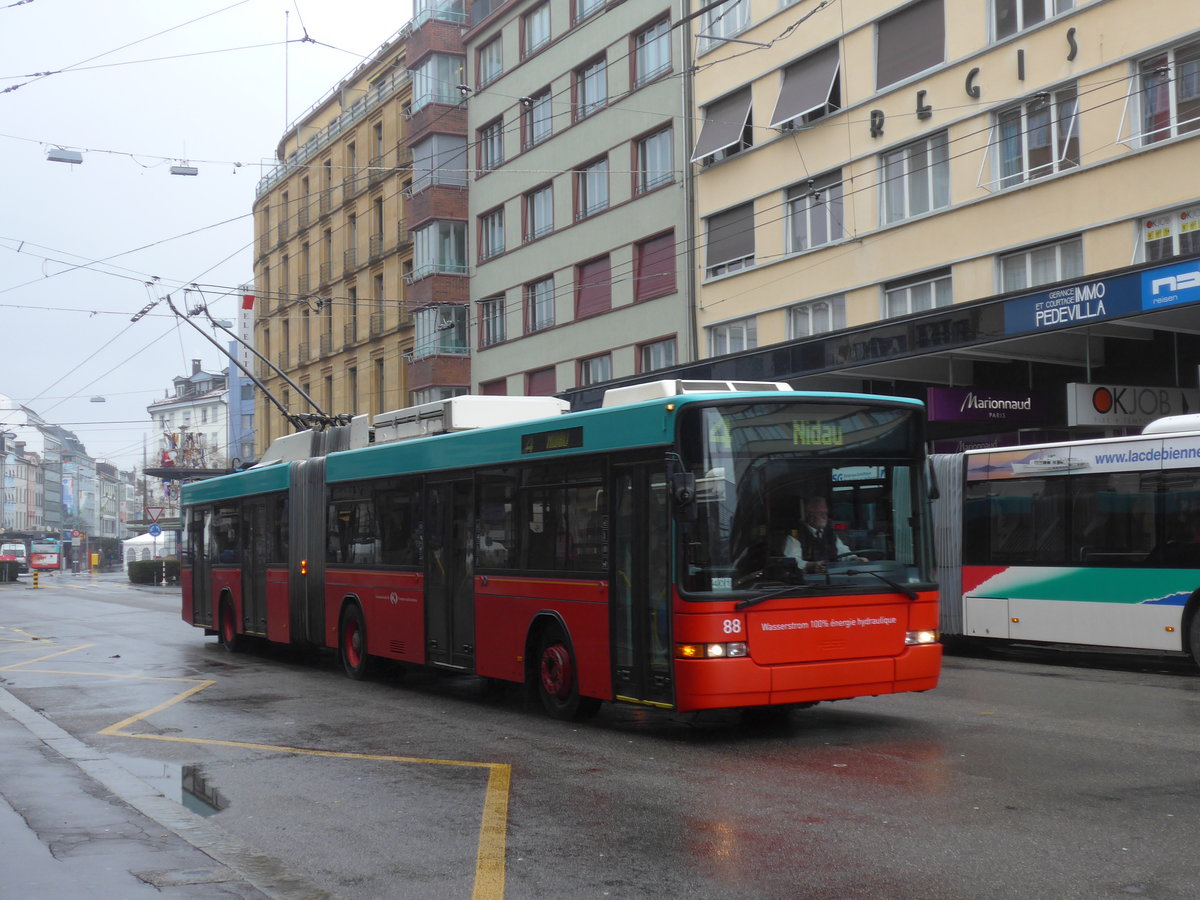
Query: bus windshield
[821,494]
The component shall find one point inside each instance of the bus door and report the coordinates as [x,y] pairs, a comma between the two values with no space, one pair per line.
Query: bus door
[641,585]
[449,574]
[256,532]
[197,550]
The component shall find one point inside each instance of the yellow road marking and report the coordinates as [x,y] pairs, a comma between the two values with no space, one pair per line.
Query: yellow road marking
[493,830]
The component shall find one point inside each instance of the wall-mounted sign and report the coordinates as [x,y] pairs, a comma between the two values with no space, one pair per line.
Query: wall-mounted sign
[1122,405]
[988,405]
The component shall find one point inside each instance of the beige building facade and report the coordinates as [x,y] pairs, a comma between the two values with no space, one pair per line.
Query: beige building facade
[885,190]
[332,250]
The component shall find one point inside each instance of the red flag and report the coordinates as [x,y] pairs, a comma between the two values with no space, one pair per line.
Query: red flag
[247,301]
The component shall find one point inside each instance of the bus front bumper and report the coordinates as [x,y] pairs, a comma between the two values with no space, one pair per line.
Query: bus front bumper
[729,683]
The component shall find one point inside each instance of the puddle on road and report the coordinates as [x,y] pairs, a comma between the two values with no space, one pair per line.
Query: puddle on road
[185,784]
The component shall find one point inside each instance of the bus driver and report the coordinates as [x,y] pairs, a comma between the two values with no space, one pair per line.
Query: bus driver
[814,543]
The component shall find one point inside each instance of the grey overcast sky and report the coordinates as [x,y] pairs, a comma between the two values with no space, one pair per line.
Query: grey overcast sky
[137,86]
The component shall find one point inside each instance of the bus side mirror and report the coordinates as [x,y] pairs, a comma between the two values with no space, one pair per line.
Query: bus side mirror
[683,489]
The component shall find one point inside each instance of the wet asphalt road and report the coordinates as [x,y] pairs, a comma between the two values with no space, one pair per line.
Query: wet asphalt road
[1019,777]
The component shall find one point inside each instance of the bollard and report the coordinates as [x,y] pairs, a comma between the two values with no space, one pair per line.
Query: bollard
[35,579]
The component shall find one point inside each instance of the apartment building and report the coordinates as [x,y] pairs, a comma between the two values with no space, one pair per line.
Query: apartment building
[579,196]
[987,205]
[333,247]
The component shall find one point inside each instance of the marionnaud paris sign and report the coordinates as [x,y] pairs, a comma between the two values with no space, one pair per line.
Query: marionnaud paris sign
[988,405]
[1104,298]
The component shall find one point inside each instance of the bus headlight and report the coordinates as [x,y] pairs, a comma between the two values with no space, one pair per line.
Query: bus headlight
[916,638]
[711,651]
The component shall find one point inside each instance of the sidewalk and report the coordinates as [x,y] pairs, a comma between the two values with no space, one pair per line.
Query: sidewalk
[74,823]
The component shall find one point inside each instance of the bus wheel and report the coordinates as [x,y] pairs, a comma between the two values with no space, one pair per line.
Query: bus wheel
[1194,637]
[557,679]
[230,639]
[352,645]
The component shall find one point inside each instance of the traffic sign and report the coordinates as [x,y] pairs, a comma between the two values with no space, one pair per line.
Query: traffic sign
[153,512]
[155,530]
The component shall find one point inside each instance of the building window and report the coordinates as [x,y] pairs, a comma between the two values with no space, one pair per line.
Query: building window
[591,188]
[1037,137]
[912,295]
[1170,93]
[436,80]
[656,355]
[537,28]
[593,287]
[732,337]
[723,21]
[811,90]
[654,267]
[654,161]
[497,388]
[491,233]
[491,145]
[538,118]
[652,52]
[540,383]
[814,213]
[910,41]
[595,370]
[491,61]
[491,321]
[539,304]
[1174,233]
[728,128]
[440,247]
[585,8]
[817,317]
[1011,16]
[730,241]
[442,10]
[440,331]
[439,159]
[1044,264]
[539,212]
[916,179]
[591,88]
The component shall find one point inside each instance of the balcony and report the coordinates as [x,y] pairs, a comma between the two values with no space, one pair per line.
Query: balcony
[378,171]
[327,344]
[349,334]
[375,247]
[303,353]
[350,259]
[375,324]
[324,274]
[302,214]
[302,284]
[326,201]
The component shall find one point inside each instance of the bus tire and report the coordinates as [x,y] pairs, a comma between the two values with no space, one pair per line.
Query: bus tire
[558,679]
[1193,637]
[228,634]
[352,643]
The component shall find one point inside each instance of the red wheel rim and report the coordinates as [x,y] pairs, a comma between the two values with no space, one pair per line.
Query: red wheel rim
[557,673]
[353,644]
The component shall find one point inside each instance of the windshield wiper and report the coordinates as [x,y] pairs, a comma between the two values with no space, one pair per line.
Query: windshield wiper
[898,588]
[770,595]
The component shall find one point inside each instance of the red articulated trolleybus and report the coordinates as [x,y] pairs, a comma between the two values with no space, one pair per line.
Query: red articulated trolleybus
[646,551]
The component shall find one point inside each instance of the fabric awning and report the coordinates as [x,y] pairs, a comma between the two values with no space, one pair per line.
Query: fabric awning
[724,122]
[807,85]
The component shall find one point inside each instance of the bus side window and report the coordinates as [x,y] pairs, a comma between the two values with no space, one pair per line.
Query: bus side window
[495,537]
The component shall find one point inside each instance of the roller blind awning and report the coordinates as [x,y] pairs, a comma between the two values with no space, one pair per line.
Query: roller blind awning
[724,122]
[807,86]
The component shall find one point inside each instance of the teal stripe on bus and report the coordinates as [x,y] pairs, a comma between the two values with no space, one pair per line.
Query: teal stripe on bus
[240,484]
[634,426]
[620,428]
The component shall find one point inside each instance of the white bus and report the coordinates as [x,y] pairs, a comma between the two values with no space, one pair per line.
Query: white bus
[1086,542]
